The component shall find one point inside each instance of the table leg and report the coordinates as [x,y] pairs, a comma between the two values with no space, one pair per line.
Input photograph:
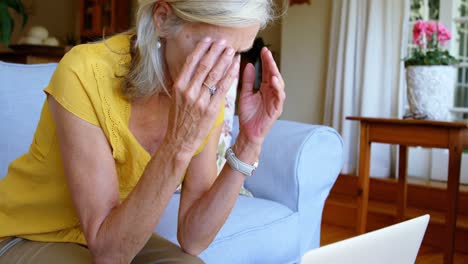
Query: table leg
[363,181]
[402,183]
[453,184]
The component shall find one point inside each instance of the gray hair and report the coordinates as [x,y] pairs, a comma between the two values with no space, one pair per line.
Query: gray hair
[147,71]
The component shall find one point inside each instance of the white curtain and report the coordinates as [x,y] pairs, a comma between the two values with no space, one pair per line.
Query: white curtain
[366,72]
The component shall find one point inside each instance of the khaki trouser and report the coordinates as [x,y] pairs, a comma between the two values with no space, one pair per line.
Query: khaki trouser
[157,250]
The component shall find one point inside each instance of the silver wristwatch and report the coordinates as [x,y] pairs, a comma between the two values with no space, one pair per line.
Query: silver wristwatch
[239,165]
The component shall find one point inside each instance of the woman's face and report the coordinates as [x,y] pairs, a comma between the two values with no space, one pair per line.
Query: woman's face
[179,46]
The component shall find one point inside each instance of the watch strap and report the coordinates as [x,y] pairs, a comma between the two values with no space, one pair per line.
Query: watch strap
[239,165]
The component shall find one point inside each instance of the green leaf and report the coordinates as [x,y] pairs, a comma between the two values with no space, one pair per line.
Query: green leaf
[15,4]
[25,20]
[22,12]
[12,24]
[5,23]
[18,6]
[435,56]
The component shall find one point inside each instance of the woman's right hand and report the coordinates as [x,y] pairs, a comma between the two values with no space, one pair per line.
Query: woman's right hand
[194,110]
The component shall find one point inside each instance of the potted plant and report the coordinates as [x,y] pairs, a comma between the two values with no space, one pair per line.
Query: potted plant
[7,22]
[430,74]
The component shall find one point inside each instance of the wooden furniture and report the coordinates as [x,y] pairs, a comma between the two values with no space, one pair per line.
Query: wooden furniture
[425,133]
[32,54]
[98,17]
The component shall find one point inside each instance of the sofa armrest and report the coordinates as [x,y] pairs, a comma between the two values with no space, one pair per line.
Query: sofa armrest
[298,166]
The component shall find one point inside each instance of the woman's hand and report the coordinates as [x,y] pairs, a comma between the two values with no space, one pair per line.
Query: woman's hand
[258,111]
[194,110]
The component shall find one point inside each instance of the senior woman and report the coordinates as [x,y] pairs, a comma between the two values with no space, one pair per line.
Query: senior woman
[129,119]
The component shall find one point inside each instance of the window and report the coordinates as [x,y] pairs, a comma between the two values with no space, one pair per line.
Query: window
[460,48]
[425,9]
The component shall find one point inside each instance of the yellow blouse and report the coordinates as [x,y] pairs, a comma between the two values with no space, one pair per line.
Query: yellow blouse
[35,202]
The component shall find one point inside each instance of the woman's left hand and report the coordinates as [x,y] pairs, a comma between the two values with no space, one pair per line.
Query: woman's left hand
[258,111]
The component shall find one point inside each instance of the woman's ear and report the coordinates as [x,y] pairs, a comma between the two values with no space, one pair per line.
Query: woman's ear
[161,12]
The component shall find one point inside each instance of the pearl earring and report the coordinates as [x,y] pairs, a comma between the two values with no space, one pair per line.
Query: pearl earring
[158,44]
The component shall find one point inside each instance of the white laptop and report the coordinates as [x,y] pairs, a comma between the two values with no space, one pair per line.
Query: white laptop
[397,244]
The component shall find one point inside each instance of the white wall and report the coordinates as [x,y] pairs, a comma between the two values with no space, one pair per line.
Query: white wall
[304,55]
[134,8]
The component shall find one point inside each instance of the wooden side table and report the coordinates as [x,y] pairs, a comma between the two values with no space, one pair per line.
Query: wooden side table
[32,54]
[407,132]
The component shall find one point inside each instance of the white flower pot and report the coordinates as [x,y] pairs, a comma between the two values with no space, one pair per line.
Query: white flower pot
[430,91]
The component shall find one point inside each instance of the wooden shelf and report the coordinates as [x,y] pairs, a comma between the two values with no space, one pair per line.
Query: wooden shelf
[98,17]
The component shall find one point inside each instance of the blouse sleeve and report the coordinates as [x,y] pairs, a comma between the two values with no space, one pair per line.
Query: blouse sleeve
[73,86]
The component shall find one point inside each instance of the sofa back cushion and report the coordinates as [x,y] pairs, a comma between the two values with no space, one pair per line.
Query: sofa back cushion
[21,100]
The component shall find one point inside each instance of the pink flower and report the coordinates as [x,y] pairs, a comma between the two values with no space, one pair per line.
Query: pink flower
[419,30]
[443,35]
[431,28]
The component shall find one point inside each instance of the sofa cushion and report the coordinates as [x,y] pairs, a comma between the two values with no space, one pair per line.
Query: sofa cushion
[251,220]
[21,100]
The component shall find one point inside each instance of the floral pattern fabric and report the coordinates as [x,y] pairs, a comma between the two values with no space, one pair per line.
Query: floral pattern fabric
[226,134]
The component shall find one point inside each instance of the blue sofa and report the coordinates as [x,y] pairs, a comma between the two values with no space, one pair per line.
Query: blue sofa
[299,165]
